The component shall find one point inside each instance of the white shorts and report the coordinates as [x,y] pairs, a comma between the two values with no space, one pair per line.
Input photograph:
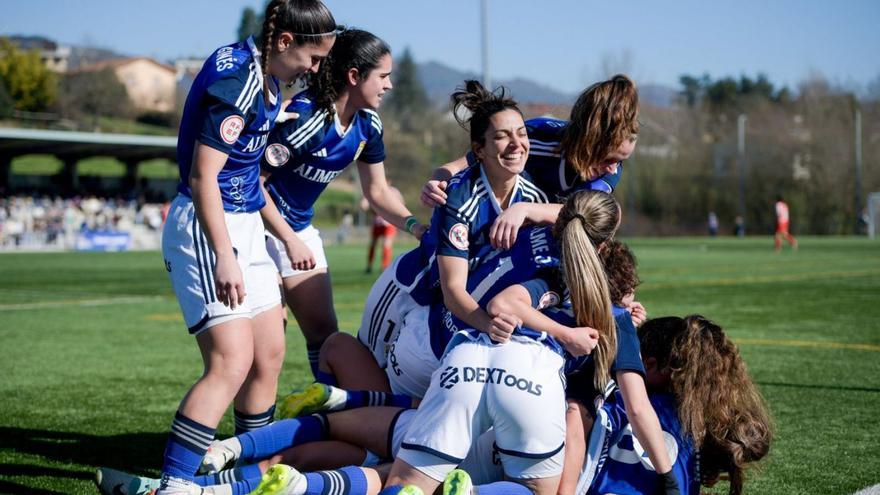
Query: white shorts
[190,261]
[411,361]
[517,388]
[311,237]
[385,308]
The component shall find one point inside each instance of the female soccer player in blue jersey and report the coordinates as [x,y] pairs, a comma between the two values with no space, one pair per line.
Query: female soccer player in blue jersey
[213,242]
[337,125]
[585,152]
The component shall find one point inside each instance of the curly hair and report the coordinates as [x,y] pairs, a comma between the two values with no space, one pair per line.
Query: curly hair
[603,117]
[719,406]
[620,266]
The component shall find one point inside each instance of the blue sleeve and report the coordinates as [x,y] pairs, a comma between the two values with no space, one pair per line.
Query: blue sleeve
[292,139]
[629,357]
[452,229]
[605,183]
[544,291]
[374,149]
[224,120]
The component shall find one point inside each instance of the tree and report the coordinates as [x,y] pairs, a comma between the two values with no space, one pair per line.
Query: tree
[409,100]
[94,93]
[251,23]
[6,103]
[28,82]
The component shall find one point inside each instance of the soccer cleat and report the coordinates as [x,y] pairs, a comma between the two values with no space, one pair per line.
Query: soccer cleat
[216,458]
[169,485]
[314,398]
[458,482]
[411,490]
[113,482]
[279,479]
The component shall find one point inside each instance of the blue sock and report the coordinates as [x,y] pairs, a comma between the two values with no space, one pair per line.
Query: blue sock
[346,481]
[244,487]
[503,488]
[325,378]
[280,435]
[314,350]
[247,422]
[391,490]
[230,476]
[187,444]
[367,398]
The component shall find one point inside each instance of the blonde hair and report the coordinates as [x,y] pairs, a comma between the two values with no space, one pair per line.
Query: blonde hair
[588,219]
[603,117]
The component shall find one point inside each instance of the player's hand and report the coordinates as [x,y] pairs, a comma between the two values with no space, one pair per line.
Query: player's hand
[300,256]
[228,281]
[434,193]
[638,312]
[283,116]
[580,341]
[502,327]
[502,235]
[419,230]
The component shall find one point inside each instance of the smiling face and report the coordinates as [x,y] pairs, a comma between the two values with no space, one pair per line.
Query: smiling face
[369,92]
[506,144]
[289,61]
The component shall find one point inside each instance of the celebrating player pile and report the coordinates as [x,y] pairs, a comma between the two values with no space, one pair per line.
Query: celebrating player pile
[506,354]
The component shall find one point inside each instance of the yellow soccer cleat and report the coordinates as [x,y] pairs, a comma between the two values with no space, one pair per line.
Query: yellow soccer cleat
[311,399]
[458,482]
[279,479]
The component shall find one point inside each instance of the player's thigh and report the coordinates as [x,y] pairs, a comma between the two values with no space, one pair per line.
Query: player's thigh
[268,332]
[228,348]
[368,427]
[310,298]
[352,364]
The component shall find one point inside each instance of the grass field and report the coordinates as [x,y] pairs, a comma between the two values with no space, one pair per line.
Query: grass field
[94,356]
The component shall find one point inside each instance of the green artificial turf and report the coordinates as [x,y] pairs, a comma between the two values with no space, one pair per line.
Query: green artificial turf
[95,358]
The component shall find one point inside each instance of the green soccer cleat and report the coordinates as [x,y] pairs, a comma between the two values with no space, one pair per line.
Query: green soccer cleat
[113,482]
[316,397]
[411,490]
[279,479]
[458,482]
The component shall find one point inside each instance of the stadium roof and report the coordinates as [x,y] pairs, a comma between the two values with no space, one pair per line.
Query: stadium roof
[76,145]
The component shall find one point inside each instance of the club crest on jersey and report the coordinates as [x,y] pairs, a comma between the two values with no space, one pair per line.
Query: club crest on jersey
[277,154]
[548,300]
[231,128]
[458,236]
[358,152]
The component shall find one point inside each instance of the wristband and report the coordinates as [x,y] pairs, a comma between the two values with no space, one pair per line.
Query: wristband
[410,223]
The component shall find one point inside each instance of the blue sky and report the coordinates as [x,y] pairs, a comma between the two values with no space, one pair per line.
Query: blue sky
[565,44]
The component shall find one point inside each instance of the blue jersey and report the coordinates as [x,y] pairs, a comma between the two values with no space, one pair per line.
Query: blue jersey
[534,254]
[306,153]
[226,110]
[548,168]
[620,465]
[459,228]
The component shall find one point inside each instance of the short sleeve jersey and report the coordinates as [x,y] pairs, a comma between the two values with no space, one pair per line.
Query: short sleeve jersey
[460,228]
[226,110]
[306,153]
[621,463]
[548,168]
[533,254]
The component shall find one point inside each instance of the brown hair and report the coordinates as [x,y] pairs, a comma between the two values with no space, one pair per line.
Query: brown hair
[620,266]
[603,117]
[719,406]
[482,104]
[588,219]
[302,18]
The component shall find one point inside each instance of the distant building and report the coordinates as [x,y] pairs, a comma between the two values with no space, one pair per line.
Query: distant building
[56,57]
[150,85]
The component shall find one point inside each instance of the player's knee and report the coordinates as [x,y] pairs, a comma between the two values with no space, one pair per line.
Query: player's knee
[336,347]
[231,369]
